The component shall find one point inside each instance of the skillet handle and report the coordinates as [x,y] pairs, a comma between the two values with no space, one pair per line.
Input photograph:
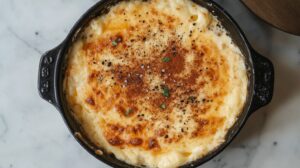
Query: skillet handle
[264,81]
[46,75]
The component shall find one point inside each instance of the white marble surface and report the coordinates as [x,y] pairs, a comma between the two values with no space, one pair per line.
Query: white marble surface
[33,134]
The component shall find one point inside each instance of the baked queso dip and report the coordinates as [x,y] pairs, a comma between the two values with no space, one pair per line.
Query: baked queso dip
[156,83]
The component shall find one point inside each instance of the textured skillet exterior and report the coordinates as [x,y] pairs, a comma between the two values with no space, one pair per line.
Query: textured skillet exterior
[146,111]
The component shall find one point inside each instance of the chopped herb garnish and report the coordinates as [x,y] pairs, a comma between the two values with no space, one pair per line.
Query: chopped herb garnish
[128,112]
[114,43]
[166,59]
[163,106]
[166,91]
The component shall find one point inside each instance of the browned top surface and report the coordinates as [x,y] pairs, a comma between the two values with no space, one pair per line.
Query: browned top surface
[161,95]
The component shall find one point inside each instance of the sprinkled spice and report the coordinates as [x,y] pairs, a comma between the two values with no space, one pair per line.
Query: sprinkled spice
[119,39]
[100,78]
[192,99]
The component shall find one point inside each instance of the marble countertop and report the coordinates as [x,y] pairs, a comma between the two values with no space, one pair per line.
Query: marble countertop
[33,134]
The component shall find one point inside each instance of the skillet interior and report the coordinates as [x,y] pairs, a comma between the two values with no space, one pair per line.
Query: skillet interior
[102,7]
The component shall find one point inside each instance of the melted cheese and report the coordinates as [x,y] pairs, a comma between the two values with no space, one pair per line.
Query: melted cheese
[156,83]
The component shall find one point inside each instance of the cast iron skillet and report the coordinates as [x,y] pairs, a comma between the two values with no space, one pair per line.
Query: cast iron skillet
[53,63]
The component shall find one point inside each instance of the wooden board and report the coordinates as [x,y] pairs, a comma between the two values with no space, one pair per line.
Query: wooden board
[283,14]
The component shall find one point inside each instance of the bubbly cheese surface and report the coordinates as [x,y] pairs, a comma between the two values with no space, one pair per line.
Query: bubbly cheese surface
[157,83]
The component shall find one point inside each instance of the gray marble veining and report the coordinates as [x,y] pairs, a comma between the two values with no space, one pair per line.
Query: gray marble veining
[33,134]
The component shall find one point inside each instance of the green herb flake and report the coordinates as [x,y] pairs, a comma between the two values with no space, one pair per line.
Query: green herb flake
[163,106]
[166,59]
[166,91]
[114,43]
[128,112]
[118,40]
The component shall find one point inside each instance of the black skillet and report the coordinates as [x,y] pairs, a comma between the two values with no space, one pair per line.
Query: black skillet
[53,63]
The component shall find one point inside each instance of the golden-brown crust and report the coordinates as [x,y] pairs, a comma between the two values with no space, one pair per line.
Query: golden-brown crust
[129,83]
[135,88]
[162,86]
